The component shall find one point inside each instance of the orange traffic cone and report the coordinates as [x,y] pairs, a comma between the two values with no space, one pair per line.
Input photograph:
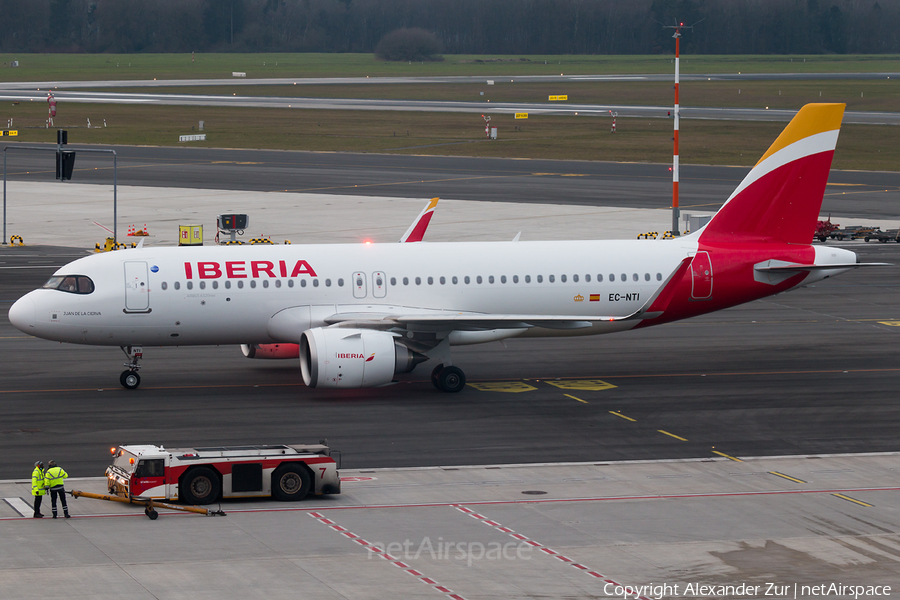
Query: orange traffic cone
[145,229]
[131,230]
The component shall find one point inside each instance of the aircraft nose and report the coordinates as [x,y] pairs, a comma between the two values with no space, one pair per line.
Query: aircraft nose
[21,314]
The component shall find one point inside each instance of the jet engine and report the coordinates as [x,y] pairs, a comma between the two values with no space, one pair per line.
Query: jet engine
[353,358]
[271,351]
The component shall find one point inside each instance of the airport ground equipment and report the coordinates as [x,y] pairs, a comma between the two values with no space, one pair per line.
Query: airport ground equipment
[204,475]
[150,506]
[890,235]
[852,232]
[825,229]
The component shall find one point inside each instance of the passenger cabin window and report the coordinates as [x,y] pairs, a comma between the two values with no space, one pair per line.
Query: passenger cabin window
[74,284]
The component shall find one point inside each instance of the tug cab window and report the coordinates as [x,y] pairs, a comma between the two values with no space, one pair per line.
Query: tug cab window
[151,468]
[74,284]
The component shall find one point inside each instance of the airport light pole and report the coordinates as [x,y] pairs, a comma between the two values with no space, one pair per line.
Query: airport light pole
[676,213]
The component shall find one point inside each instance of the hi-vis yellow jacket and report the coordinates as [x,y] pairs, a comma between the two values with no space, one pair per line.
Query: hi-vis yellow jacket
[37,482]
[55,477]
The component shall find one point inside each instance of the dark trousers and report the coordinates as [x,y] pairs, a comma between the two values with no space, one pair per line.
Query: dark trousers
[37,505]
[61,492]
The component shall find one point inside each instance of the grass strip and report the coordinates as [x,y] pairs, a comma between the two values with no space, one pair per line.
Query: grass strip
[83,67]
[865,147]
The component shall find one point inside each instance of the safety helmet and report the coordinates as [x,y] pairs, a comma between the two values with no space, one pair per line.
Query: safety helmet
[39,463]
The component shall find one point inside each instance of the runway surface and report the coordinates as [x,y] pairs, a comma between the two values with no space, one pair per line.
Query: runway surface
[534,108]
[631,185]
[814,371]
[252,81]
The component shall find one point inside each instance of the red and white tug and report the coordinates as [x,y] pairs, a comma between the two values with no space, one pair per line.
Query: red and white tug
[205,475]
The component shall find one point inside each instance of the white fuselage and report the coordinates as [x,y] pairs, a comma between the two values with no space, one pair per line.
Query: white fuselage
[229,295]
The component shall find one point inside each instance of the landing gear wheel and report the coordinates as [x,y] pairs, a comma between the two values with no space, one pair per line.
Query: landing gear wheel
[435,374]
[199,486]
[451,380]
[290,482]
[130,379]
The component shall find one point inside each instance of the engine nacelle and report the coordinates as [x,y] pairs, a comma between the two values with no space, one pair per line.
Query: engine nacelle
[353,358]
[271,351]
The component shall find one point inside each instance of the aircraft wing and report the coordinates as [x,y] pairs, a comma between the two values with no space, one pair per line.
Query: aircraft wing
[397,317]
[462,321]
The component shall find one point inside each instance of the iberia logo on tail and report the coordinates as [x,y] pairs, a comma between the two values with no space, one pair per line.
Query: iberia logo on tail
[781,197]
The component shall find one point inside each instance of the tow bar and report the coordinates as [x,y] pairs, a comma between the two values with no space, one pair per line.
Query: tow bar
[150,506]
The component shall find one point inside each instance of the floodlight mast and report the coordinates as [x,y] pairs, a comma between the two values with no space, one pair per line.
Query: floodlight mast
[676,214]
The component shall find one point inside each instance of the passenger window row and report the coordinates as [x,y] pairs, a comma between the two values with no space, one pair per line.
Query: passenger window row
[277,283]
[527,279]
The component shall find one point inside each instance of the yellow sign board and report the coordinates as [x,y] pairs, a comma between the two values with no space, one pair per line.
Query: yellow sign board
[552,98]
[190,235]
[521,115]
[10,132]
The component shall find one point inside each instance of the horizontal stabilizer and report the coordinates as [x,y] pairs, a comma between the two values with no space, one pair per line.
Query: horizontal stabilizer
[797,268]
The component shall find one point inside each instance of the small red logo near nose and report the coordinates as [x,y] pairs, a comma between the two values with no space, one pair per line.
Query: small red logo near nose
[371,358]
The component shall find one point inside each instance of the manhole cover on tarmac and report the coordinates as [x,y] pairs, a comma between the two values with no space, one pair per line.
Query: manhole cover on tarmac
[534,492]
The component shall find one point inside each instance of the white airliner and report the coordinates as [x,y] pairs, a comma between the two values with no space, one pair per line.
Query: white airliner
[362,313]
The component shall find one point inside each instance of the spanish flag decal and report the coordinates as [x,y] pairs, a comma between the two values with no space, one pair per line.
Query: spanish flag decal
[595,297]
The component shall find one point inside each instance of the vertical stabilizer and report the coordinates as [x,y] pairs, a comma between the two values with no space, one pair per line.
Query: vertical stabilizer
[416,231]
[781,197]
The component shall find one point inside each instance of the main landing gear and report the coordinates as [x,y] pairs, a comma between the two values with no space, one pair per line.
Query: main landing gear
[448,379]
[130,378]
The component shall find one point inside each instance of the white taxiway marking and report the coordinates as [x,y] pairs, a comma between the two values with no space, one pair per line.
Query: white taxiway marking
[20,506]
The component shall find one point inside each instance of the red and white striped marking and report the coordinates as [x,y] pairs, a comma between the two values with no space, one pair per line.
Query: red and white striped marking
[548,551]
[391,559]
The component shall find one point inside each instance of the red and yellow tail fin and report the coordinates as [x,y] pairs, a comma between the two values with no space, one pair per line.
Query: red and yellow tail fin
[416,231]
[781,197]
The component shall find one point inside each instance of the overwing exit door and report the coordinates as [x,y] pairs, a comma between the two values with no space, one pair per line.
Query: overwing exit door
[379,284]
[359,285]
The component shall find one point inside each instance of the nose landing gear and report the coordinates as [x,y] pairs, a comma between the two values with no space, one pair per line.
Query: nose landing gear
[130,378]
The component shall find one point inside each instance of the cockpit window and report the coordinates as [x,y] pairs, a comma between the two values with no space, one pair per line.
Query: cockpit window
[74,284]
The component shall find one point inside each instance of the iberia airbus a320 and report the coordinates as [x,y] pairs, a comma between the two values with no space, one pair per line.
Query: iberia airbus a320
[363,313]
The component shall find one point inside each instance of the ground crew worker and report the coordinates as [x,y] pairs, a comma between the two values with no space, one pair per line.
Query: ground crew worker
[55,479]
[38,489]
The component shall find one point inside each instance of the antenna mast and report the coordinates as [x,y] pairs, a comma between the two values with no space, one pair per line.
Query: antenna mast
[676,214]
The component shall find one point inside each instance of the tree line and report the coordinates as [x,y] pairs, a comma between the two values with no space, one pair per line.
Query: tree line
[461,26]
